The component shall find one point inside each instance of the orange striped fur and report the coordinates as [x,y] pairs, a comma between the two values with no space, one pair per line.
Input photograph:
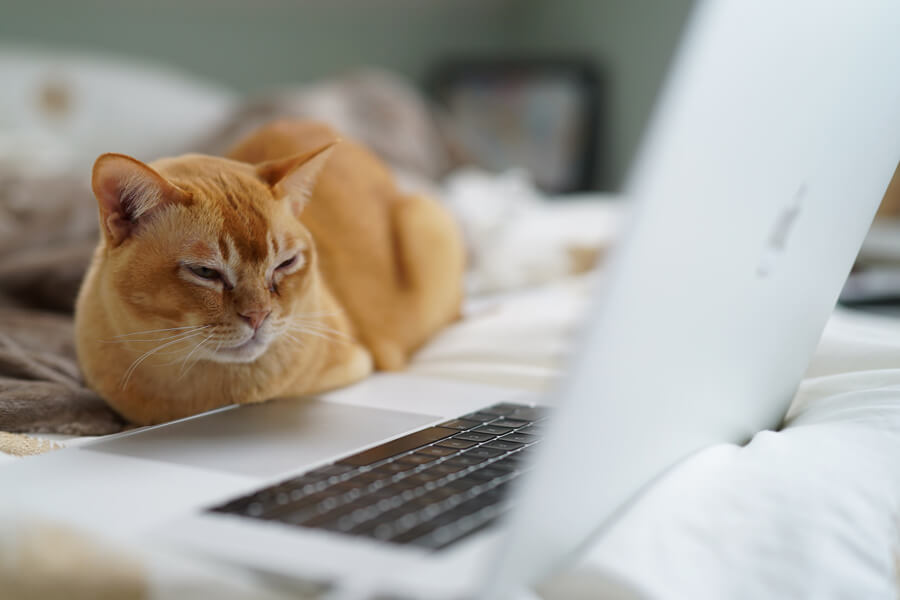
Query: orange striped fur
[282,270]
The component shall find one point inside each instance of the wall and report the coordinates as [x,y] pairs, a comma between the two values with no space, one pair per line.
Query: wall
[632,39]
[265,43]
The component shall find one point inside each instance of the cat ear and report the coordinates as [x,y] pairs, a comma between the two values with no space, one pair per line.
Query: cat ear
[295,177]
[127,191]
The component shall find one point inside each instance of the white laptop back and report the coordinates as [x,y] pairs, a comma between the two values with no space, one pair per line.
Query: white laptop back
[770,151]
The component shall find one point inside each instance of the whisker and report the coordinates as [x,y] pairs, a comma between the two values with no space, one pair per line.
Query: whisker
[297,329]
[323,329]
[162,339]
[322,334]
[335,332]
[188,357]
[293,339]
[316,325]
[145,355]
[171,362]
[159,330]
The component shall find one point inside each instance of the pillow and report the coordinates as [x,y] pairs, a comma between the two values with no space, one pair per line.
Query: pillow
[59,109]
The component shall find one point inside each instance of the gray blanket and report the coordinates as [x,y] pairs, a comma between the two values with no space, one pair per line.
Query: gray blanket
[48,229]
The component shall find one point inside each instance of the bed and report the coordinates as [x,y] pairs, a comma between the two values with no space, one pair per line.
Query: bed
[810,510]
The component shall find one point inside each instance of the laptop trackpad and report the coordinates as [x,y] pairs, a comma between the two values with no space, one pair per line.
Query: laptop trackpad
[266,440]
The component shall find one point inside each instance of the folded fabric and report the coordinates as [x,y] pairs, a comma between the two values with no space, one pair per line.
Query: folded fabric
[810,511]
[41,389]
[519,237]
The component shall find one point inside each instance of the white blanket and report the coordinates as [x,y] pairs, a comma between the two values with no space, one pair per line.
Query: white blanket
[810,511]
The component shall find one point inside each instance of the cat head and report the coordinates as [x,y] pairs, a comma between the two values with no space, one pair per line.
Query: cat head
[207,249]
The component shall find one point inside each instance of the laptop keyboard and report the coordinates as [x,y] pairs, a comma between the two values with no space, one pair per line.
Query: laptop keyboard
[429,489]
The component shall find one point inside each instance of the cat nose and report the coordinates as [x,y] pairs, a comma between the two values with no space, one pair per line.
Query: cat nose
[254,318]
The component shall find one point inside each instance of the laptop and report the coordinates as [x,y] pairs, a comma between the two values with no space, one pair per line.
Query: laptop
[770,149]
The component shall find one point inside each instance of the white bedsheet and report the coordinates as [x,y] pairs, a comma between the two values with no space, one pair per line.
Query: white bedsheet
[807,512]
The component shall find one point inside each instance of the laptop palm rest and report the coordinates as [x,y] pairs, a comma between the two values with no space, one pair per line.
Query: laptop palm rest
[265,440]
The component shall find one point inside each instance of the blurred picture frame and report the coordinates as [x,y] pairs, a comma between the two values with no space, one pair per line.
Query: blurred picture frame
[542,114]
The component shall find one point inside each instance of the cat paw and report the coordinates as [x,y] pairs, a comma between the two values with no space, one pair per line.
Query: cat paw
[357,366]
[388,355]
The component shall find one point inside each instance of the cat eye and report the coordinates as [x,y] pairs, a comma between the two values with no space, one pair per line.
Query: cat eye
[205,272]
[287,263]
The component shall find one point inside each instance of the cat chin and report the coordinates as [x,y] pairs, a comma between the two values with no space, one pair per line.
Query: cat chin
[245,353]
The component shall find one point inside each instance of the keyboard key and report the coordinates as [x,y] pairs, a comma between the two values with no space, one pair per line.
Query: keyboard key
[306,502]
[438,450]
[503,444]
[456,443]
[487,474]
[354,494]
[323,517]
[460,424]
[522,438]
[386,518]
[391,468]
[482,452]
[504,465]
[386,504]
[404,484]
[368,477]
[423,529]
[301,511]
[461,485]
[423,502]
[532,430]
[491,429]
[445,469]
[530,413]
[416,459]
[304,479]
[416,513]
[394,447]
[462,521]
[472,436]
[442,493]
[463,460]
[509,423]
[426,476]
[346,486]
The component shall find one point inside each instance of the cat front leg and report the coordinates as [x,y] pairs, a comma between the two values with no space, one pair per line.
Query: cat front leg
[358,366]
[355,364]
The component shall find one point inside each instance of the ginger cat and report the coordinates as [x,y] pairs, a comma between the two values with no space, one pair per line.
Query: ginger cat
[220,281]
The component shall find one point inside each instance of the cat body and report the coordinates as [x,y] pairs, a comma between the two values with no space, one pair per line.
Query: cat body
[397,265]
[216,282]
